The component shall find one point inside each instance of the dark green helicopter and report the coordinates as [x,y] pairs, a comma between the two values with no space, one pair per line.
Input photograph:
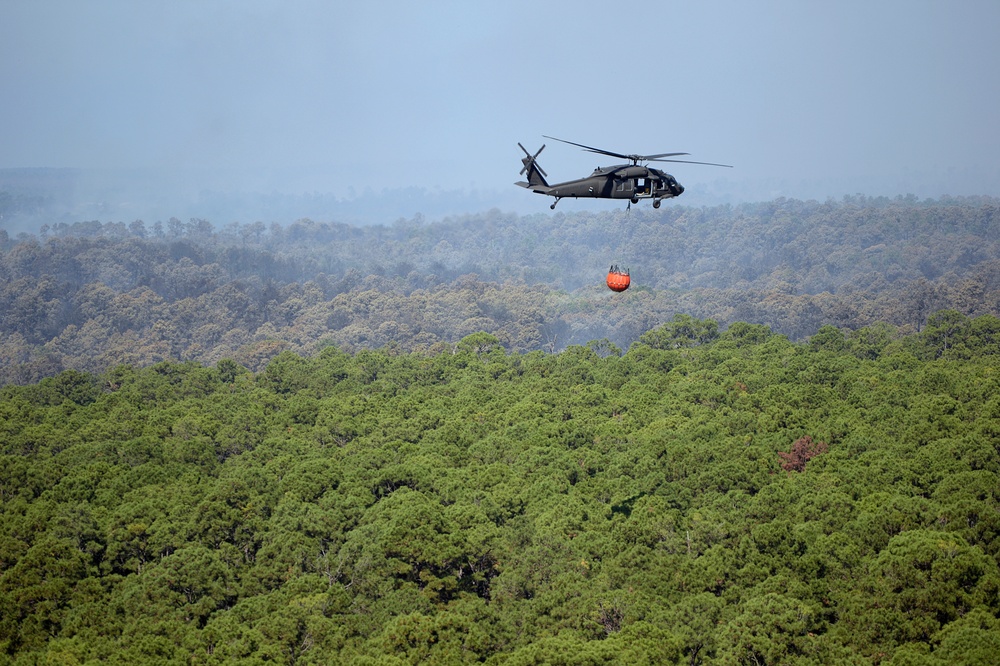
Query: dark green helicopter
[625,181]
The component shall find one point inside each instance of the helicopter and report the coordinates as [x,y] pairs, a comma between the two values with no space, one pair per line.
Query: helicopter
[632,181]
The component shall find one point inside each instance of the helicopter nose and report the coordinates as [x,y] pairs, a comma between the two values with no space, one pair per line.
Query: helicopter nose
[680,189]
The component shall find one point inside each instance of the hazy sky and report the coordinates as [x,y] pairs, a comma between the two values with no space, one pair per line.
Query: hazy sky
[805,98]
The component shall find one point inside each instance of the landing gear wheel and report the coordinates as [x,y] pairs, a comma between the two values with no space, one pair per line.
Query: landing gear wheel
[656,203]
[635,200]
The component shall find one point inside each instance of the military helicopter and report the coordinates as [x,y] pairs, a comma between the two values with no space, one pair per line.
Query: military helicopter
[625,181]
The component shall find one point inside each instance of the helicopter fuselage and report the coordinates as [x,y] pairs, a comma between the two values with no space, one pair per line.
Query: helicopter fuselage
[624,181]
[619,182]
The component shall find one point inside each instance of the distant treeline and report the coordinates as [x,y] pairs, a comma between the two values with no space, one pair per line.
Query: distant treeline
[30,197]
[90,295]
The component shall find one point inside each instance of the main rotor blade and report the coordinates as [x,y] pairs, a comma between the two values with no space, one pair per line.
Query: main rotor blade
[638,158]
[728,166]
[591,149]
[633,158]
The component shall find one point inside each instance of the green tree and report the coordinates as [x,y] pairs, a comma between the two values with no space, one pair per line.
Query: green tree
[922,581]
[683,331]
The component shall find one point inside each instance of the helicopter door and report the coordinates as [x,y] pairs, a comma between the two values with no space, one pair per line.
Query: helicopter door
[625,185]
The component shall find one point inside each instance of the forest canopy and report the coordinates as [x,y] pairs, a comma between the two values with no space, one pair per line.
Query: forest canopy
[447,442]
[91,295]
[706,497]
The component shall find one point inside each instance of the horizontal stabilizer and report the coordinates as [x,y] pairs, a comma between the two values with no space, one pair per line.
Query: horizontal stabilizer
[540,189]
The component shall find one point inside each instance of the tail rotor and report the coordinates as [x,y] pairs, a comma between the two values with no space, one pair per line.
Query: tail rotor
[530,162]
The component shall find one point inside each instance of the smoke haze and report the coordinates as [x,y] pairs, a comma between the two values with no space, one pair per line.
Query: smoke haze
[377,110]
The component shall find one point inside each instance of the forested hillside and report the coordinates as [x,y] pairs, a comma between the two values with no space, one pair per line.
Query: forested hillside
[91,295]
[703,498]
